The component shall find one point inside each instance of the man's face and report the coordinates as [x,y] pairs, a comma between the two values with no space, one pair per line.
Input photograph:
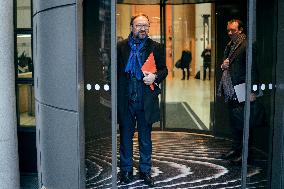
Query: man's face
[140,27]
[233,30]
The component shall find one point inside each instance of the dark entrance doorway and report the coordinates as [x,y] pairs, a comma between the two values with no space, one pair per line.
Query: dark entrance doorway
[99,125]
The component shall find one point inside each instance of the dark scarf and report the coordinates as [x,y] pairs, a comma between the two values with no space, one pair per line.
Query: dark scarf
[135,63]
[226,81]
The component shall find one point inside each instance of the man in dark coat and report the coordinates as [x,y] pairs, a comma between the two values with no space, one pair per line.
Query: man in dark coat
[206,55]
[185,59]
[138,103]
[234,73]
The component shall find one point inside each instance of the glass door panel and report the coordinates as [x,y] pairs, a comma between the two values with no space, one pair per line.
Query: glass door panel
[261,124]
[188,86]
[98,99]
[228,113]
[26,105]
[24,13]
[24,56]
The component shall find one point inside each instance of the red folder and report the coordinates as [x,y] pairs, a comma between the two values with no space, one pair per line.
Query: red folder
[150,66]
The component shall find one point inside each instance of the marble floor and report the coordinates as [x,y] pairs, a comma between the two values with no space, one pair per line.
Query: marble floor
[195,92]
[27,120]
[180,160]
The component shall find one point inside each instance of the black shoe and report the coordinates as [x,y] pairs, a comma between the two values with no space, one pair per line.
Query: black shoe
[236,161]
[147,179]
[230,155]
[182,78]
[126,177]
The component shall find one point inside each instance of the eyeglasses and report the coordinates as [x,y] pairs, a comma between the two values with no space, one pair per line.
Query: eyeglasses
[140,26]
[232,31]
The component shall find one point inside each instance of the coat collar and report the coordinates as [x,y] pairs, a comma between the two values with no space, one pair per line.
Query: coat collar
[146,50]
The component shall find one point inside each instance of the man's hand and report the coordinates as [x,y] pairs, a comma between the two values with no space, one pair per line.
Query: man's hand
[225,64]
[252,97]
[149,77]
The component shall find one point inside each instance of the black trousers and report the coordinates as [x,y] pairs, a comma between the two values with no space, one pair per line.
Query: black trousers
[236,112]
[205,66]
[135,116]
[183,73]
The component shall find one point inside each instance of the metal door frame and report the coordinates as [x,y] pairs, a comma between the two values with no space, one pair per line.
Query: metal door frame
[113,94]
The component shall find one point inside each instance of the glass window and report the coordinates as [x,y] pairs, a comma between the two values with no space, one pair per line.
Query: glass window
[26,104]
[24,63]
[24,56]
[188,97]
[24,14]
[261,108]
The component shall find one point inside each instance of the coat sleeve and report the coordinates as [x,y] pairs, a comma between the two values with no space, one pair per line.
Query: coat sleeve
[162,70]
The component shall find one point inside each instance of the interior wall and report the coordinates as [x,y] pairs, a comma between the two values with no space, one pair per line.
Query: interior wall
[125,12]
[123,15]
[153,12]
[184,32]
[169,41]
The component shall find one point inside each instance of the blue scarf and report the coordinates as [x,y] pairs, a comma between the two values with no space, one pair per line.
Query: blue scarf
[135,63]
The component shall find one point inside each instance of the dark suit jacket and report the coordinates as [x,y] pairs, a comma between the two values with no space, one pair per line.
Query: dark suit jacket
[150,97]
[237,66]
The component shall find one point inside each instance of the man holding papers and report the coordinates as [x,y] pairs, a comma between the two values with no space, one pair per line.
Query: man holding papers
[232,85]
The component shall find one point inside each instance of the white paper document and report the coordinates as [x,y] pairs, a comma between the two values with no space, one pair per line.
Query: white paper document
[240,91]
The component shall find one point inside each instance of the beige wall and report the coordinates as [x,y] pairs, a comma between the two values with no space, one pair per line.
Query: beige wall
[169,41]
[184,31]
[124,13]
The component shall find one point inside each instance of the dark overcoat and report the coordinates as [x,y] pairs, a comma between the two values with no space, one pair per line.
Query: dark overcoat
[185,59]
[238,63]
[150,97]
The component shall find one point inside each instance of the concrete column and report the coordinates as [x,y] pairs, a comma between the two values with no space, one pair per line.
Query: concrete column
[9,164]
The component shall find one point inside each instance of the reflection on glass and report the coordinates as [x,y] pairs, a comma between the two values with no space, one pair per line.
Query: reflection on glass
[24,54]
[97,110]
[26,104]
[260,141]
[23,13]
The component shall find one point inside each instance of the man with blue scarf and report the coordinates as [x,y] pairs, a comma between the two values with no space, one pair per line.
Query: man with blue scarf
[138,104]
